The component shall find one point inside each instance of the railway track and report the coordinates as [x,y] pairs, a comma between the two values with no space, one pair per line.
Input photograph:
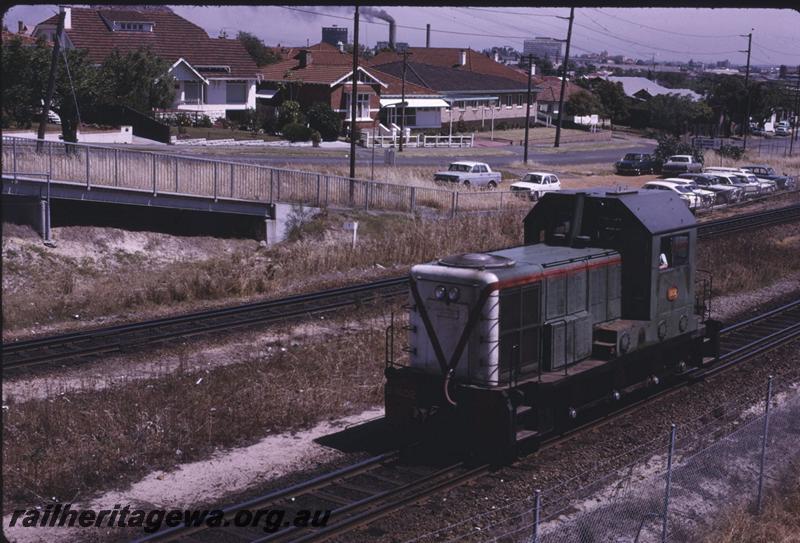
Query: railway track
[371,489]
[116,339]
[61,348]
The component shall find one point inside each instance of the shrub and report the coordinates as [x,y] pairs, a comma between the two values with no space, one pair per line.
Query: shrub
[296,132]
[670,145]
[316,137]
[290,114]
[731,151]
[203,122]
[326,121]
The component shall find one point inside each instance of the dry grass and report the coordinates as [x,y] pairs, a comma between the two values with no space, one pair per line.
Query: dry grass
[78,442]
[779,521]
[745,262]
[42,287]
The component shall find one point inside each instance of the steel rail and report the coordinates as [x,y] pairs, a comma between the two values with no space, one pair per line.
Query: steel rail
[36,351]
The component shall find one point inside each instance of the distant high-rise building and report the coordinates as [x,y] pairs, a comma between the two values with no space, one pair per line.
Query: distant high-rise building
[334,34]
[399,46]
[544,48]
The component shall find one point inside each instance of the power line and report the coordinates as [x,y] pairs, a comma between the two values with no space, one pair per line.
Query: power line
[514,12]
[609,34]
[770,50]
[710,36]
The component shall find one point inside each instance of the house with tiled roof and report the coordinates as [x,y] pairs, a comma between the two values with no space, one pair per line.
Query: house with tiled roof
[325,74]
[550,93]
[213,76]
[476,96]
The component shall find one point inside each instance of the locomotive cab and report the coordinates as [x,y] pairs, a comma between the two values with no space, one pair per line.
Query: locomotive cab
[508,346]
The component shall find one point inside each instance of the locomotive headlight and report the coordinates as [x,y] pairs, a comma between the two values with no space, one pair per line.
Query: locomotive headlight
[440,293]
[453,294]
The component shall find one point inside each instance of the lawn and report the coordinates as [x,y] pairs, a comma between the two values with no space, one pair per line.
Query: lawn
[193,132]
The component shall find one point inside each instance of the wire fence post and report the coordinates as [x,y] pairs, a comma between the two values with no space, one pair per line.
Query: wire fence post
[319,185]
[116,167]
[537,500]
[155,190]
[176,174]
[366,195]
[413,201]
[764,446]
[232,190]
[50,159]
[669,482]
[278,193]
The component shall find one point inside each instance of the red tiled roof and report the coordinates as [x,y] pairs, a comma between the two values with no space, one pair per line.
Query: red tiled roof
[450,57]
[173,37]
[395,84]
[551,88]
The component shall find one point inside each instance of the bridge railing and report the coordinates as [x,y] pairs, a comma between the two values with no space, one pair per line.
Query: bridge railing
[159,173]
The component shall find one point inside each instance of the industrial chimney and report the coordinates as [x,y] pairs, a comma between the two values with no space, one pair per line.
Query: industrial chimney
[428,35]
[391,35]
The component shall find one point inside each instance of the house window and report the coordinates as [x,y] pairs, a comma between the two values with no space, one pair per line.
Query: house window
[134,27]
[236,92]
[192,92]
[362,105]
[509,100]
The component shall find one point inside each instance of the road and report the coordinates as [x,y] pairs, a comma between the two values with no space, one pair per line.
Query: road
[505,157]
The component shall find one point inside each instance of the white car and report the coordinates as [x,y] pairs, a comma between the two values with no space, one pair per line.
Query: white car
[685,193]
[535,184]
[747,180]
[707,197]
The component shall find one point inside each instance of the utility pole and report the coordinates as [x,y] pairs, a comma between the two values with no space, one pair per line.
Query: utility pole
[746,120]
[51,80]
[528,110]
[353,107]
[564,77]
[403,101]
[796,111]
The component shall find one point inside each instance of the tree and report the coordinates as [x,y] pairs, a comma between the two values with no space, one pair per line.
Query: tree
[670,145]
[583,103]
[138,80]
[613,99]
[25,74]
[676,114]
[324,120]
[290,114]
[260,53]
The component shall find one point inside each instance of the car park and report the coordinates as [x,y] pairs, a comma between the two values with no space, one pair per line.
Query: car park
[762,171]
[707,197]
[685,193]
[535,184]
[636,164]
[727,192]
[743,178]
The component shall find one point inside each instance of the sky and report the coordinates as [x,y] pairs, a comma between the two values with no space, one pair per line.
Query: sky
[661,34]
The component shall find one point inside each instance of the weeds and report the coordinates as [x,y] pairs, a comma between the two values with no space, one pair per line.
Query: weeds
[117,434]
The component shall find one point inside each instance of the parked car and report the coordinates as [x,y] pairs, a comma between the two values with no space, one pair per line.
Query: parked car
[726,191]
[535,184]
[707,197]
[782,131]
[476,174]
[636,163]
[745,179]
[762,171]
[677,164]
[685,193]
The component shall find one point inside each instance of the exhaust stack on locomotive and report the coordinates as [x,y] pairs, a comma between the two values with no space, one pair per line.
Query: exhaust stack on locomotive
[509,346]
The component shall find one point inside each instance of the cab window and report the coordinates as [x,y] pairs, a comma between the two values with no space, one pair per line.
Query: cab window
[674,251]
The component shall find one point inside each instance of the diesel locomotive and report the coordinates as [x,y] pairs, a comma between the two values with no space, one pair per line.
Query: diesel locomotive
[599,306]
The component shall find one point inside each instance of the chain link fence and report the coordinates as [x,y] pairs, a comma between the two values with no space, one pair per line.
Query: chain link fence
[679,484]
